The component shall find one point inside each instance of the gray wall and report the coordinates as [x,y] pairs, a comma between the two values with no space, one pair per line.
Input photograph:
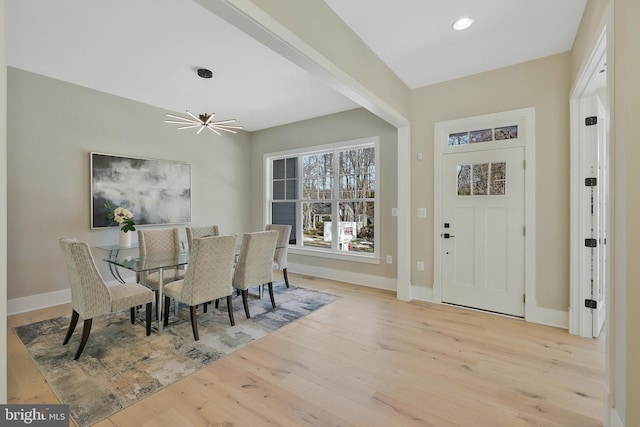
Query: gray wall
[349,125]
[52,128]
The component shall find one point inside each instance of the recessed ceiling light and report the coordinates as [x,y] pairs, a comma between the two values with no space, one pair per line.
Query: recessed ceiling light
[462,24]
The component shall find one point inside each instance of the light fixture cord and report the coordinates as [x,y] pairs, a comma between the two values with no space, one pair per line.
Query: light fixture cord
[206,96]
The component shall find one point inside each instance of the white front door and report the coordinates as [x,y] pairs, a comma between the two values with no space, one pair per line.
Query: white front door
[482,229]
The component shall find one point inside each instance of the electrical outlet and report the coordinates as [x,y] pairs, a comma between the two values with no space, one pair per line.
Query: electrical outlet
[420,266]
[394,211]
[389,259]
[422,212]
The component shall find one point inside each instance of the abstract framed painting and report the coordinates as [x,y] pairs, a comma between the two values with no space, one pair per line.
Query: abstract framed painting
[155,191]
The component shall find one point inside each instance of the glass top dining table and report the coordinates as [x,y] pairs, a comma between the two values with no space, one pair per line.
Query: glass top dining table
[158,261]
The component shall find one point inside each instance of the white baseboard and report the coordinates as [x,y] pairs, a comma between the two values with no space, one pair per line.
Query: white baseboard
[421,293]
[387,283]
[36,302]
[549,317]
[543,316]
[613,418]
[50,299]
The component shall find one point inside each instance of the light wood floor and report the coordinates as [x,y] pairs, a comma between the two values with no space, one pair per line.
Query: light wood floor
[370,360]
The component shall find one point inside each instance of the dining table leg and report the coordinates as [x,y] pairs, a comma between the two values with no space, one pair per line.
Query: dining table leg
[160,301]
[114,268]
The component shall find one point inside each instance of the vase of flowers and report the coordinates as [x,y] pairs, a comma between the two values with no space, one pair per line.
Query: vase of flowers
[124,218]
[125,239]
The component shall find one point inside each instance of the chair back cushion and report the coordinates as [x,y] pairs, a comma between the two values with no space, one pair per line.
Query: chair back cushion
[155,241]
[210,269]
[255,263]
[206,231]
[89,294]
[282,245]
[164,240]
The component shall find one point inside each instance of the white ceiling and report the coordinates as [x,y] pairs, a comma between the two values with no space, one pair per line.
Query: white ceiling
[416,40]
[149,50]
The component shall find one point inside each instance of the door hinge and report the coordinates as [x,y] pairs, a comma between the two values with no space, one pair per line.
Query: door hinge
[590,182]
[524,299]
[590,121]
[524,164]
[590,243]
[591,303]
[524,231]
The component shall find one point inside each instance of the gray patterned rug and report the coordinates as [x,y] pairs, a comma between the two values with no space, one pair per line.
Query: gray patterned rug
[121,365]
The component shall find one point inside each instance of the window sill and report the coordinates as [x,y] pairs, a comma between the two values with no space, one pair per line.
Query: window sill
[343,256]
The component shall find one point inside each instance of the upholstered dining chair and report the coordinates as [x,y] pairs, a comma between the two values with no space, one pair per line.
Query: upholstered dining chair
[282,249]
[91,297]
[207,278]
[206,231]
[155,241]
[255,264]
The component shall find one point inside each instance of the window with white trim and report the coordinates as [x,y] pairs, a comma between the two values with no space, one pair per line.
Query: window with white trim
[328,195]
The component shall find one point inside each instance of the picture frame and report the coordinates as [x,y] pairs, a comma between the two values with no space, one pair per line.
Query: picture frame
[156,191]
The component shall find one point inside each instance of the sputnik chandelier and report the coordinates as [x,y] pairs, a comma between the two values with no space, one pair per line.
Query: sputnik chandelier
[203,121]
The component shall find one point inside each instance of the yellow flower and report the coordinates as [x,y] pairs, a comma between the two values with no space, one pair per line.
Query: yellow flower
[123,217]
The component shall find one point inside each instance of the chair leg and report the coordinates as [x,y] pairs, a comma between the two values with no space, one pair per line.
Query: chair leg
[86,330]
[133,315]
[245,294]
[72,326]
[273,301]
[167,304]
[286,278]
[158,302]
[194,322]
[218,302]
[229,309]
[205,306]
[148,317]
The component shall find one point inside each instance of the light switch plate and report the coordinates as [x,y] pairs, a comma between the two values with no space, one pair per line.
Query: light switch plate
[422,212]
[394,211]
[389,259]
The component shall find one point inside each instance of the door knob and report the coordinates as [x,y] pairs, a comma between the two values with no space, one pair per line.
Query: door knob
[447,235]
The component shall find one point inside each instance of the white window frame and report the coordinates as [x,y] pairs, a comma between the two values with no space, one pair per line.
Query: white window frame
[334,252]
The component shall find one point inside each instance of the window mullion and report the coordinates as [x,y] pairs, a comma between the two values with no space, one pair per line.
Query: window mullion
[335,194]
[299,195]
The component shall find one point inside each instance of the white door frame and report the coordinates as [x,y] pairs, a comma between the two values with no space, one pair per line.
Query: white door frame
[527,117]
[580,319]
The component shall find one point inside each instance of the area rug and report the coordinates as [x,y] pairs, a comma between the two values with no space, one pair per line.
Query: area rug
[121,365]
